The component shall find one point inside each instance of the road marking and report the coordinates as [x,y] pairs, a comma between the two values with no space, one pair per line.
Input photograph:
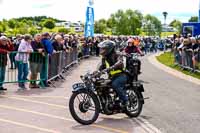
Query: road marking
[34,112]
[33,101]
[56,97]
[148,125]
[29,126]
[62,118]
[109,128]
[142,122]
[149,128]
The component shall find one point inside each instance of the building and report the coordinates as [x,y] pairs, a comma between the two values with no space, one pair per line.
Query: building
[78,27]
[167,28]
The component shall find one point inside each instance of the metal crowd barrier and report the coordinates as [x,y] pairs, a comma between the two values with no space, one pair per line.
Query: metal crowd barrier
[48,67]
[9,67]
[185,59]
[60,61]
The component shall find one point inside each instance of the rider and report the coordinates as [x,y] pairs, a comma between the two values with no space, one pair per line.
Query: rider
[112,62]
[132,48]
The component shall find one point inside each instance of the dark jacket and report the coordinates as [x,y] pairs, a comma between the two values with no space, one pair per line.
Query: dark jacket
[4,49]
[57,46]
[37,57]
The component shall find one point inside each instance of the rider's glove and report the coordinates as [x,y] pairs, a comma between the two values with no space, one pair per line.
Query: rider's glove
[108,69]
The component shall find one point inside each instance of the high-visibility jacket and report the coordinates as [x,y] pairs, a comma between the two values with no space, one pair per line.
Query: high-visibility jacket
[112,72]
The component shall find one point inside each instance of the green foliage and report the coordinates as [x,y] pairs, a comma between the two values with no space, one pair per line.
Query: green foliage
[100,26]
[151,25]
[33,31]
[12,23]
[193,19]
[48,23]
[125,23]
[168,60]
[63,30]
[176,24]
[38,19]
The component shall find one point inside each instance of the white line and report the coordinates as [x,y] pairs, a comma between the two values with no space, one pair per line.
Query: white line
[62,118]
[56,97]
[33,101]
[147,125]
[149,128]
[29,126]
[35,112]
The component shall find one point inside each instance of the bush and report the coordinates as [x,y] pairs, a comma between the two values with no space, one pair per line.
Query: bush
[64,30]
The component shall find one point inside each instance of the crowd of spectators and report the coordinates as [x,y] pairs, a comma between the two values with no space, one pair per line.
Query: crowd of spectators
[28,53]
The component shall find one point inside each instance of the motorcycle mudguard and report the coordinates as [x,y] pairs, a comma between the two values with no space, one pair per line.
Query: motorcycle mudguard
[78,86]
[139,86]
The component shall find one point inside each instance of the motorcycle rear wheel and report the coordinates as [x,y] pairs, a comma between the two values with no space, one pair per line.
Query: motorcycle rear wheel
[135,103]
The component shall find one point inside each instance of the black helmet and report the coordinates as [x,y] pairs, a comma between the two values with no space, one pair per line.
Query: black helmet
[106,47]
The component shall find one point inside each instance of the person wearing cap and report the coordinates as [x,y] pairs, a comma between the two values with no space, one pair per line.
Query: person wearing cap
[5,47]
[22,59]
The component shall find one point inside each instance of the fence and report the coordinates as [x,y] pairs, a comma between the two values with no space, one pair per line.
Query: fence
[188,59]
[60,61]
[16,67]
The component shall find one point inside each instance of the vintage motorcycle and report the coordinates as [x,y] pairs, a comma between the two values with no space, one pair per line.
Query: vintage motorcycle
[132,65]
[95,95]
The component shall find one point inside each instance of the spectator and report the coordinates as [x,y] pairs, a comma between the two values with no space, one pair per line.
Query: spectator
[57,43]
[5,47]
[47,43]
[22,60]
[73,43]
[36,60]
[196,49]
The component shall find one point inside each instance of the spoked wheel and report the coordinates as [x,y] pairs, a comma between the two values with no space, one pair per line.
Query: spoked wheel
[84,107]
[135,103]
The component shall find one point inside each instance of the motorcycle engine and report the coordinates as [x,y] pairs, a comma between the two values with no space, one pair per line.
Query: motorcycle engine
[107,104]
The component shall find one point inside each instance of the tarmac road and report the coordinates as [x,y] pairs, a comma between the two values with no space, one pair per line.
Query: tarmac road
[173,106]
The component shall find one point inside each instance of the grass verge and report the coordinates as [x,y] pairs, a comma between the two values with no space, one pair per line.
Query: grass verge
[168,60]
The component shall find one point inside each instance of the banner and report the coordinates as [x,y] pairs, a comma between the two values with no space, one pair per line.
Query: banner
[89,24]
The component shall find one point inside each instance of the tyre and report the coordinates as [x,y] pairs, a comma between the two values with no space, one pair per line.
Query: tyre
[135,103]
[82,104]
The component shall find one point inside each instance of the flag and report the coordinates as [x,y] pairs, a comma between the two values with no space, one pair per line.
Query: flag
[89,24]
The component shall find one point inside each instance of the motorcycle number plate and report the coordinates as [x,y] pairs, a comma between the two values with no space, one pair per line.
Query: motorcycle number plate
[78,85]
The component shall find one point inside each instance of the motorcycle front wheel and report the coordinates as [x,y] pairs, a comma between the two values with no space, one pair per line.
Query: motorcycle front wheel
[84,107]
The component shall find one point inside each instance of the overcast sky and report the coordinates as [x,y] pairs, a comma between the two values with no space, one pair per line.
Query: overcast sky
[74,10]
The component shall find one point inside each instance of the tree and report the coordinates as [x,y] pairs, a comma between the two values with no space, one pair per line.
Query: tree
[48,23]
[12,23]
[193,19]
[100,26]
[126,23]
[33,31]
[176,24]
[151,25]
